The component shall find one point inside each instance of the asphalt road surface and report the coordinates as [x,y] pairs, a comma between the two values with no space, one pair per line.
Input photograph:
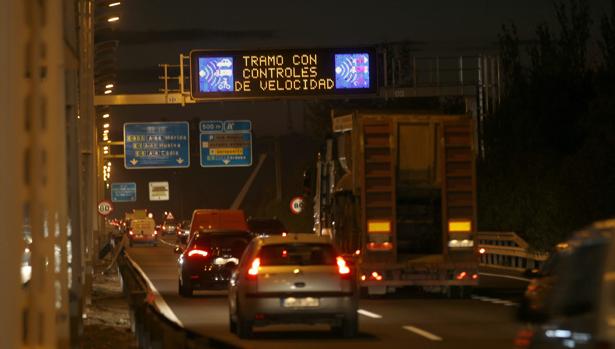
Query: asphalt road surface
[410,320]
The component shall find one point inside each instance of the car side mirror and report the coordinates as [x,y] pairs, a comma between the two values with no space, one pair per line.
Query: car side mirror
[178,250]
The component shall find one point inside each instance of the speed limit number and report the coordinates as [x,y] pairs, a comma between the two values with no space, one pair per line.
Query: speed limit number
[105,208]
[296,205]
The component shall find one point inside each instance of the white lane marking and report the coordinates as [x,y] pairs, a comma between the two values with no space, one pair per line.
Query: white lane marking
[495,301]
[168,243]
[162,305]
[369,314]
[505,276]
[422,333]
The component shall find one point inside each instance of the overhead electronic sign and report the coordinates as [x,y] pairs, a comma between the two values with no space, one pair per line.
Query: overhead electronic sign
[281,73]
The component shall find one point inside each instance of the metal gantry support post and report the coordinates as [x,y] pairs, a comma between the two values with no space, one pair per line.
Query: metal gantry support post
[87,135]
[34,186]
[13,89]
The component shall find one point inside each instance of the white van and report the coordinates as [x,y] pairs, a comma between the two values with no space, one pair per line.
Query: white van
[143,230]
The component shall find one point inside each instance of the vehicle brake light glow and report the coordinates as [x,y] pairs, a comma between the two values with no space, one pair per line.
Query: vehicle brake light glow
[482,250]
[284,253]
[198,253]
[461,275]
[342,267]
[380,246]
[375,276]
[130,232]
[474,276]
[256,263]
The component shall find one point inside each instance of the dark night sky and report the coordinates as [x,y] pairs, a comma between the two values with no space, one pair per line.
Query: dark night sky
[449,27]
[441,25]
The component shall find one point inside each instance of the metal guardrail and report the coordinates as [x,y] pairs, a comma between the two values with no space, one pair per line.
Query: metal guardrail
[507,250]
[152,329]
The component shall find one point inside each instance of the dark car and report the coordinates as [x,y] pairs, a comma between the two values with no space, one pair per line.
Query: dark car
[183,232]
[260,227]
[209,259]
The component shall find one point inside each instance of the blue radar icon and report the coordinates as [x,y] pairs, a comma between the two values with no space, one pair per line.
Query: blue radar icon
[216,74]
[351,70]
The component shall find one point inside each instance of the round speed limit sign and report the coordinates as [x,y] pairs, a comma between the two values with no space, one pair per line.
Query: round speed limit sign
[105,208]
[296,205]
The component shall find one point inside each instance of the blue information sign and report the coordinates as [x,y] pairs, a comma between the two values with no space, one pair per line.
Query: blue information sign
[237,125]
[228,149]
[156,145]
[124,192]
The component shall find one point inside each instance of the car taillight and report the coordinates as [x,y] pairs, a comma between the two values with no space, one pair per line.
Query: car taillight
[342,268]
[461,275]
[253,271]
[130,232]
[196,252]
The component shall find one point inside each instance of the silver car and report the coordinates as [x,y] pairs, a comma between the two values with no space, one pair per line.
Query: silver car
[298,278]
[575,305]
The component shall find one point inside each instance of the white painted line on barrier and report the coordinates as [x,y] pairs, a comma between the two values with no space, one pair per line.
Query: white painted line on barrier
[162,305]
[422,333]
[505,276]
[369,314]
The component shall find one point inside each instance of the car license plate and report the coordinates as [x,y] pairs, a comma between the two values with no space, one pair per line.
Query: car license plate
[308,302]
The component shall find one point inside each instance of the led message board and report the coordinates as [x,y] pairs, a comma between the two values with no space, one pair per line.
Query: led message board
[280,73]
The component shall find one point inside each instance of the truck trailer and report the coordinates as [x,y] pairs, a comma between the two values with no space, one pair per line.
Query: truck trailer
[398,192]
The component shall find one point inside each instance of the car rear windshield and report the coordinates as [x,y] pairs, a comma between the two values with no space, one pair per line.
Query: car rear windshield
[297,254]
[233,242]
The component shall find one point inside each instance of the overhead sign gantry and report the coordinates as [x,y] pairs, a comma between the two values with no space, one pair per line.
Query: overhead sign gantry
[282,73]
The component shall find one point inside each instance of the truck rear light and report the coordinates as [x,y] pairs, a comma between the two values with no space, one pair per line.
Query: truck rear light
[459,226]
[253,271]
[474,276]
[342,268]
[379,246]
[461,275]
[379,226]
[197,252]
[374,276]
[460,243]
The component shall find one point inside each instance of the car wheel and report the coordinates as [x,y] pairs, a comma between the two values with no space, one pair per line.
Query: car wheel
[185,290]
[244,328]
[350,326]
[232,324]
